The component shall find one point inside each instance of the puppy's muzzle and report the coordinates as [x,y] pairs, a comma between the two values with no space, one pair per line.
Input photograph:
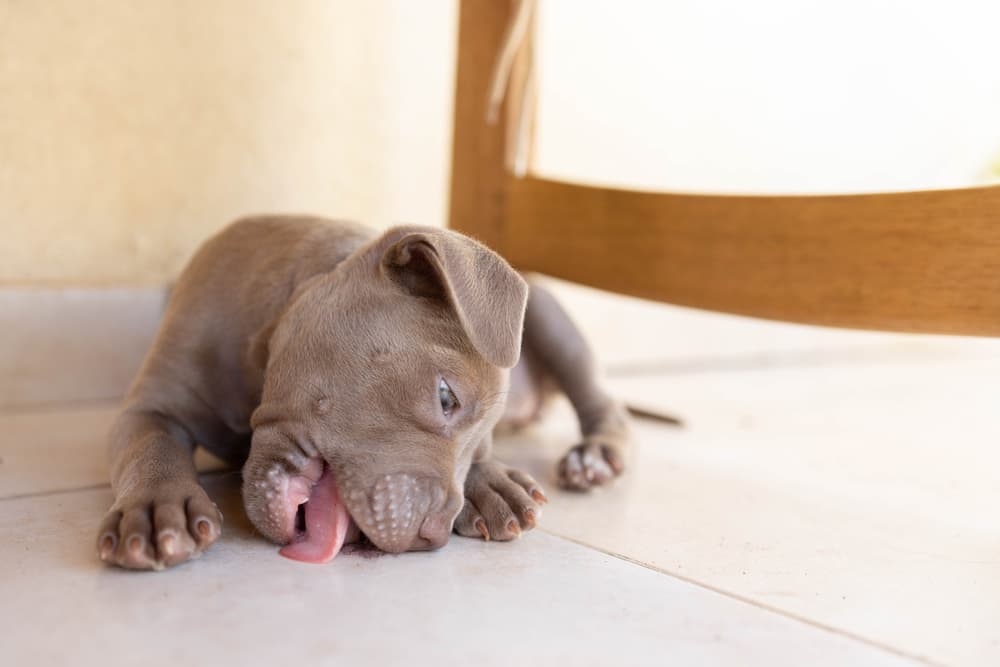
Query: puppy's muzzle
[402,512]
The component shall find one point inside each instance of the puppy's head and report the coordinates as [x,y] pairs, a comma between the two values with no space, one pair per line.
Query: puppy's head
[382,378]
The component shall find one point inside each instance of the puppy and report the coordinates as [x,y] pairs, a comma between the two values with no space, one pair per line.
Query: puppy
[357,378]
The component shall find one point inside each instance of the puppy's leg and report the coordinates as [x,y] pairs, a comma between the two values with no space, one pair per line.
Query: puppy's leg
[500,501]
[556,344]
[161,516]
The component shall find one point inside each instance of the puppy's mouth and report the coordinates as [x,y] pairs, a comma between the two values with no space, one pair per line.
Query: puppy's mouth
[319,522]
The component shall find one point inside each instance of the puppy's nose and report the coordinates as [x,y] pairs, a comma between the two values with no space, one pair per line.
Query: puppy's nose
[436,526]
[436,529]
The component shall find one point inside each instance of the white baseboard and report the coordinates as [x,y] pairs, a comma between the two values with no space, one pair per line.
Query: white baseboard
[61,345]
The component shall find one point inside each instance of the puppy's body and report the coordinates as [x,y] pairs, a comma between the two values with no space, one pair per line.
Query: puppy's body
[365,371]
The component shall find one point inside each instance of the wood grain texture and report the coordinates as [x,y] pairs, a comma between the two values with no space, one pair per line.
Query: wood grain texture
[478,176]
[916,261]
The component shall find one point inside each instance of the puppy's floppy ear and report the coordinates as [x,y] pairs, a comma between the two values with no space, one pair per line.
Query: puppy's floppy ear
[487,295]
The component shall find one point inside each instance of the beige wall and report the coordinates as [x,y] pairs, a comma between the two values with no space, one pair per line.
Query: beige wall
[129,131]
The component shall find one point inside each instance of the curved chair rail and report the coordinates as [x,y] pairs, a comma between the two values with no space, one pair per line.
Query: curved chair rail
[924,261]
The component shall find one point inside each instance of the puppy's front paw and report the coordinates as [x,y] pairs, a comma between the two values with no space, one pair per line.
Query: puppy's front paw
[159,528]
[597,460]
[500,502]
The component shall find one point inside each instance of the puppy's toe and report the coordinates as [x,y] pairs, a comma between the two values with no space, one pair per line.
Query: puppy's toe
[174,543]
[471,523]
[204,520]
[136,550]
[590,464]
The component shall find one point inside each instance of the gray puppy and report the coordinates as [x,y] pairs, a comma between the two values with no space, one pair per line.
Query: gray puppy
[357,378]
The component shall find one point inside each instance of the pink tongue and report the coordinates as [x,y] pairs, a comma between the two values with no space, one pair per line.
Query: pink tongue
[326,524]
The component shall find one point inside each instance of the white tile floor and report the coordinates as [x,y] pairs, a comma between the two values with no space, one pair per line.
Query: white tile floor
[834,499]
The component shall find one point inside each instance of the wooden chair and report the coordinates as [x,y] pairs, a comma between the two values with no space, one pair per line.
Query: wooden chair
[925,261]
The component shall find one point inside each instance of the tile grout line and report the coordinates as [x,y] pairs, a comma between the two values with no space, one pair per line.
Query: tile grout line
[755,603]
[92,487]
[55,492]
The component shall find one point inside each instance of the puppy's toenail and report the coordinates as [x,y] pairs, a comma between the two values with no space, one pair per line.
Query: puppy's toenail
[539,496]
[514,528]
[529,516]
[107,547]
[168,544]
[481,527]
[135,544]
[204,528]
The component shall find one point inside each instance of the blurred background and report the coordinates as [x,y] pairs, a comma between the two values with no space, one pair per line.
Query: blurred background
[129,131]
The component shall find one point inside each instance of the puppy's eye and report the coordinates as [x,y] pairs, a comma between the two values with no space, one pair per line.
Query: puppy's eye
[447,397]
